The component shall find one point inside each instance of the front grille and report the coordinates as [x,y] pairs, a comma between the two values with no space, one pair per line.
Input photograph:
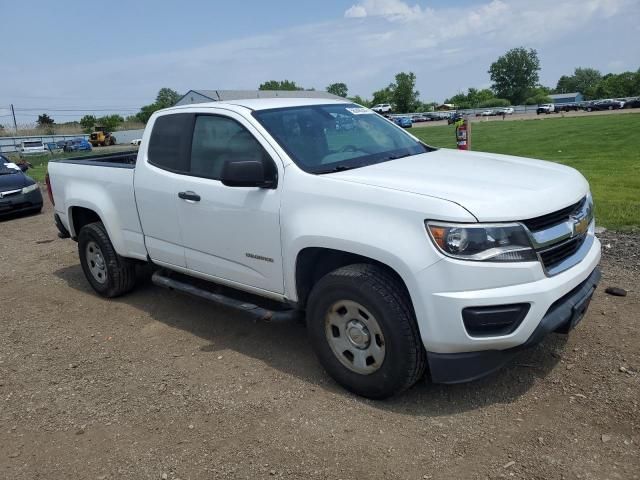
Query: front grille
[10,194]
[550,219]
[554,255]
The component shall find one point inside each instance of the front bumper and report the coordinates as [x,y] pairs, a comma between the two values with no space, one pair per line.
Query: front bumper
[561,317]
[21,202]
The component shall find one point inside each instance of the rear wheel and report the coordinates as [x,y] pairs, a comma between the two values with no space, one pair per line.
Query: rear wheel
[364,332]
[108,273]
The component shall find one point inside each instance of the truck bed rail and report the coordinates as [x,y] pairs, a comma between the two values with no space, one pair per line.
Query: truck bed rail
[113,160]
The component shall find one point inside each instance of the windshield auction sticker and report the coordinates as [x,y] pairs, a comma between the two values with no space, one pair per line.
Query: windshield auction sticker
[360,111]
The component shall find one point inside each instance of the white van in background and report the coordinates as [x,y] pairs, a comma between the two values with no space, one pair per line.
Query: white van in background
[32,147]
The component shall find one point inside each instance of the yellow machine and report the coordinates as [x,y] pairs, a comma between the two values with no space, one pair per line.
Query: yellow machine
[101,138]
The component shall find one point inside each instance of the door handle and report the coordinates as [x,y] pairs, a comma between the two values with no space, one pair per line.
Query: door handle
[189,195]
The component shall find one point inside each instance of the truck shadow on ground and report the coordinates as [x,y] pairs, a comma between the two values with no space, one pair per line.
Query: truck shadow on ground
[284,346]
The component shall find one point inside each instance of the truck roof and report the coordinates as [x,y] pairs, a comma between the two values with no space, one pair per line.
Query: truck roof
[264,103]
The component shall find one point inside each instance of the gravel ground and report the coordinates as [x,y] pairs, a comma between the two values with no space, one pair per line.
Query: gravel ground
[162,386]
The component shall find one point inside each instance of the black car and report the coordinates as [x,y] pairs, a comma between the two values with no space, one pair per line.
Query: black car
[18,192]
[633,103]
[603,105]
[567,107]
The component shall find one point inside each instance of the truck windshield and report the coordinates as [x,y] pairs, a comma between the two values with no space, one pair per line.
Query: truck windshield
[330,138]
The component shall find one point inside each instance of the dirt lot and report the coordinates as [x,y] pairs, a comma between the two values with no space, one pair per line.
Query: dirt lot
[159,385]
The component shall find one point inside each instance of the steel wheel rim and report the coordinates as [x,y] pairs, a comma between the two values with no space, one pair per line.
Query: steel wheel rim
[96,262]
[355,337]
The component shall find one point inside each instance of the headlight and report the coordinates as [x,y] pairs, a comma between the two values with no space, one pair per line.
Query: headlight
[478,242]
[30,188]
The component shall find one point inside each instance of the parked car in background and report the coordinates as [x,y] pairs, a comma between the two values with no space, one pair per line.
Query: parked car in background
[454,117]
[32,147]
[419,118]
[486,113]
[382,108]
[546,108]
[607,104]
[77,145]
[136,142]
[567,107]
[18,192]
[504,111]
[54,146]
[632,103]
[404,121]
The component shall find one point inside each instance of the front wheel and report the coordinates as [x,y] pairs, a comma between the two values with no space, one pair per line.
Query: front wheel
[109,274]
[363,330]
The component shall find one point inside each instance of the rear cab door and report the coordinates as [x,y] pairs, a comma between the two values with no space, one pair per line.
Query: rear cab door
[162,160]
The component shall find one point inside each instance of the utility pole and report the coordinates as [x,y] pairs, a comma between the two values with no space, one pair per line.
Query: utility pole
[15,125]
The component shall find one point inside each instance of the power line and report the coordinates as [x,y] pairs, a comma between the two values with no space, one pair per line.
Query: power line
[86,109]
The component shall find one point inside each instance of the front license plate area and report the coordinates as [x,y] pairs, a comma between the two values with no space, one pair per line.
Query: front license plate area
[580,308]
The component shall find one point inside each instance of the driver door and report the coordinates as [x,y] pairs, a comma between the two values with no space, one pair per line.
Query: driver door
[230,233]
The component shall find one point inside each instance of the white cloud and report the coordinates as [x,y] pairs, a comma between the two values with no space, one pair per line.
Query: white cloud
[393,9]
[449,49]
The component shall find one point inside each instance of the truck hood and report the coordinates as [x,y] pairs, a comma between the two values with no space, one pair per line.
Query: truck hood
[492,187]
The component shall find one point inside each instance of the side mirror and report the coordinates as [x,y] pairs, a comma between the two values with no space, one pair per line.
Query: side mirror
[245,173]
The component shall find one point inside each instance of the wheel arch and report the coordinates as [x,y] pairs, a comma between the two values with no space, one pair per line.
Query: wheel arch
[81,214]
[313,263]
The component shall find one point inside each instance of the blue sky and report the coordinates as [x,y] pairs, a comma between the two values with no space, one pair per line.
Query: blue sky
[80,55]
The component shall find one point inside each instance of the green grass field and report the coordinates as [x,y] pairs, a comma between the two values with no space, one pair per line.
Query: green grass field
[604,148]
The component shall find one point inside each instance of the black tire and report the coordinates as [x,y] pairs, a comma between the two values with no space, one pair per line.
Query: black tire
[381,294]
[120,272]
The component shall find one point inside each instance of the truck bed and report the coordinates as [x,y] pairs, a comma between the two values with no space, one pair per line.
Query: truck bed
[114,160]
[107,191]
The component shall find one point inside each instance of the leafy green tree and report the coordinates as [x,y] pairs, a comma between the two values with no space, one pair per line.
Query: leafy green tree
[44,120]
[623,84]
[279,85]
[538,98]
[583,80]
[339,89]
[360,101]
[87,123]
[515,73]
[110,122]
[167,98]
[382,96]
[474,98]
[494,102]
[403,94]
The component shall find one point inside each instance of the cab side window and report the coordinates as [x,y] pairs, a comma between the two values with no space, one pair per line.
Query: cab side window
[217,139]
[170,141]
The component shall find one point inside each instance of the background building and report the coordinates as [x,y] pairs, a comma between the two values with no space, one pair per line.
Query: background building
[205,96]
[575,97]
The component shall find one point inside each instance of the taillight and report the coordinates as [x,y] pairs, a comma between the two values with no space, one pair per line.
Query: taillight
[49,191]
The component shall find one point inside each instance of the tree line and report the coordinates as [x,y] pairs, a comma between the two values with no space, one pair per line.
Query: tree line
[516,81]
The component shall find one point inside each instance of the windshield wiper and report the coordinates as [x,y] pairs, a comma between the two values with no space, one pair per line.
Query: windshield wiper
[396,157]
[338,168]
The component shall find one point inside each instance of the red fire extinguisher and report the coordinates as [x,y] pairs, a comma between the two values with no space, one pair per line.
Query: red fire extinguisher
[463,134]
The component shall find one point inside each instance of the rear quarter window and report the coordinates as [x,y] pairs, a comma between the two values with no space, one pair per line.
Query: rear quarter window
[170,142]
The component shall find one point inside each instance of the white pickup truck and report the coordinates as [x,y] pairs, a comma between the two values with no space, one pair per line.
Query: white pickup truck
[403,257]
